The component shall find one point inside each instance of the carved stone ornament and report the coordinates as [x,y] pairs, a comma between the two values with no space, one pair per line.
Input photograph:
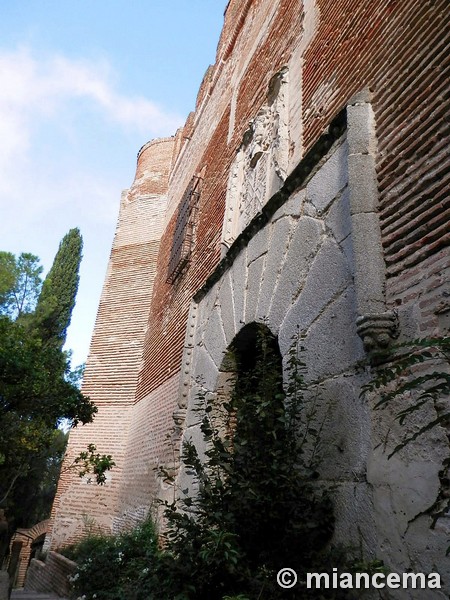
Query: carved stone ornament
[377,330]
[179,417]
[260,166]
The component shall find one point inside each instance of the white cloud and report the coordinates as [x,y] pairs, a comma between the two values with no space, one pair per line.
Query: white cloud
[31,85]
[33,91]
[65,131]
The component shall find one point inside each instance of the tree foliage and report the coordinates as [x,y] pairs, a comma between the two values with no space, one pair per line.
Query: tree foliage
[57,298]
[20,283]
[37,385]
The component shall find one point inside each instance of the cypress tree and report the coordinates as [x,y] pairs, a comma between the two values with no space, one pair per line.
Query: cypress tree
[59,290]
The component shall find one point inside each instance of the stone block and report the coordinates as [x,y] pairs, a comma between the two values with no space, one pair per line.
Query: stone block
[292,207]
[347,248]
[302,250]
[258,245]
[332,344]
[360,128]
[255,271]
[214,336]
[362,183]
[226,302]
[205,369]
[238,274]
[338,218]
[355,525]
[207,304]
[413,484]
[330,179]
[329,275]
[344,421]
[369,263]
[187,483]
[278,246]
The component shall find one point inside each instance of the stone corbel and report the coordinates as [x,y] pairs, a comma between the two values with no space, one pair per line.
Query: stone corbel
[376,326]
[377,330]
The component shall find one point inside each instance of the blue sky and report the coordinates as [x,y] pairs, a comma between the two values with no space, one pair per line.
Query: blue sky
[83,85]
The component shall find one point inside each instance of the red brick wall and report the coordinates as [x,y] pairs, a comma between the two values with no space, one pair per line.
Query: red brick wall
[112,367]
[170,303]
[51,576]
[395,48]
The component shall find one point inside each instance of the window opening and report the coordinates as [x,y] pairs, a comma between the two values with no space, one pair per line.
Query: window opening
[184,230]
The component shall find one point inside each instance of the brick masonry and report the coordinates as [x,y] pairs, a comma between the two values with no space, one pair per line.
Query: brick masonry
[51,575]
[294,263]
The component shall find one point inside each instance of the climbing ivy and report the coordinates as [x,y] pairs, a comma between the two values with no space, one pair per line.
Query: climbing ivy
[416,370]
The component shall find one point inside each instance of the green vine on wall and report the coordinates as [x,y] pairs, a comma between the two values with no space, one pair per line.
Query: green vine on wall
[416,376]
[418,369]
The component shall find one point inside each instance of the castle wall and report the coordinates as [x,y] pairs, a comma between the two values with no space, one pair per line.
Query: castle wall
[318,207]
[112,367]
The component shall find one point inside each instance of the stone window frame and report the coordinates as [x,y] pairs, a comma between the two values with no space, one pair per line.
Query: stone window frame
[183,239]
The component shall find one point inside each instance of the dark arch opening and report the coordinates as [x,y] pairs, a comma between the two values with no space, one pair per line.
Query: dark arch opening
[247,346]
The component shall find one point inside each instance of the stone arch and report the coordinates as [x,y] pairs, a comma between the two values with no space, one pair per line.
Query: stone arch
[29,542]
[240,358]
[296,274]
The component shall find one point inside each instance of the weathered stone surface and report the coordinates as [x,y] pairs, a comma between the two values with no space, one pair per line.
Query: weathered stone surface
[363,183]
[329,180]
[413,484]
[355,526]
[361,127]
[347,249]
[255,271]
[186,482]
[369,263]
[214,336]
[344,421]
[338,218]
[302,249]
[329,275]
[332,344]
[278,246]
[204,367]
[239,286]
[292,207]
[226,302]
[207,305]
[258,245]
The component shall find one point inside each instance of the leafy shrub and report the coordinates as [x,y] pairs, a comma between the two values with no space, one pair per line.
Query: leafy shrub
[257,509]
[109,567]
